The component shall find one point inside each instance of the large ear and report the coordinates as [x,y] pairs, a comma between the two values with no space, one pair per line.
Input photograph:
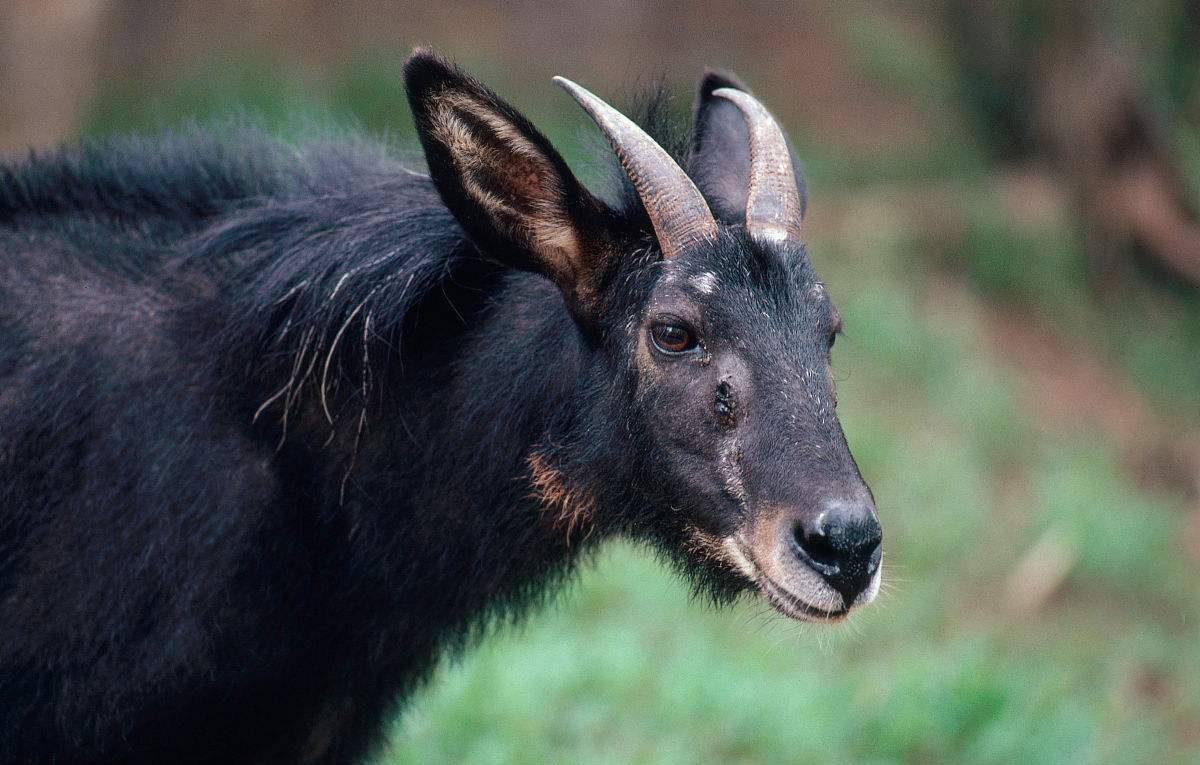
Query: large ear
[507,186]
[720,155]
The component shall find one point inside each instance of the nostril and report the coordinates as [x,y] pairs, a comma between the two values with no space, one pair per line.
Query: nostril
[842,543]
[815,546]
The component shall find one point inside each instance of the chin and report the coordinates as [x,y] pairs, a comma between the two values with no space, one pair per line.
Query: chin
[805,596]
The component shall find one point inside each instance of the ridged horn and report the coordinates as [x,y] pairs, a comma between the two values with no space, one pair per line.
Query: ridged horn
[677,210]
[773,209]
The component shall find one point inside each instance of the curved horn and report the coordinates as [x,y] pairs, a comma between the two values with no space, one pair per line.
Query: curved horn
[677,210]
[773,209]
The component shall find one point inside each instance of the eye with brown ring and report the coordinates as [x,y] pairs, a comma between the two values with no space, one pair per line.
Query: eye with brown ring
[673,339]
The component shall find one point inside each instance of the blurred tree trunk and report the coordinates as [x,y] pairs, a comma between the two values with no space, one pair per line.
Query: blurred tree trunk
[1057,88]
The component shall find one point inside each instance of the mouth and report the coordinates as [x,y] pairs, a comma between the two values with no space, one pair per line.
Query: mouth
[794,606]
[782,599]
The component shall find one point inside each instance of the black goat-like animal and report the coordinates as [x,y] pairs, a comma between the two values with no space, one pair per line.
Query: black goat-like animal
[279,427]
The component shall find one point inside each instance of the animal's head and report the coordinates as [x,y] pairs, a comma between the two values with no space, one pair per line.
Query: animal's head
[708,333]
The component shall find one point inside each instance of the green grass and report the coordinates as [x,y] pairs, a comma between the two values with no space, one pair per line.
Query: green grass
[626,668]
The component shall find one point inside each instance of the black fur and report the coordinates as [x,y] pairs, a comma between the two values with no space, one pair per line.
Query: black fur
[267,425]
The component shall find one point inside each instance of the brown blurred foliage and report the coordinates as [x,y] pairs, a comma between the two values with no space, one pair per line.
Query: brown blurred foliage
[57,53]
[1068,101]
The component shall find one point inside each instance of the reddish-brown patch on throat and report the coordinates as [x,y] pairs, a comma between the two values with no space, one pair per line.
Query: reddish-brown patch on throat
[570,507]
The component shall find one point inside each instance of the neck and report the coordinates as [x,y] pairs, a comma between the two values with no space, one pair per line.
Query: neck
[459,465]
[410,392]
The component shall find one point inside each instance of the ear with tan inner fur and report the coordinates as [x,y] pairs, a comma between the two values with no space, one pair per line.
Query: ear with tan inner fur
[507,186]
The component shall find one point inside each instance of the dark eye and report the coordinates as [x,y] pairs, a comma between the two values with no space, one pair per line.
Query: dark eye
[672,338]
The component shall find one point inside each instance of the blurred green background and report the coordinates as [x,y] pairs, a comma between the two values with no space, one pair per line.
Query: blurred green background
[1003,202]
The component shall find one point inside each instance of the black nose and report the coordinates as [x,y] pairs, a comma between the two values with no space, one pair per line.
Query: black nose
[841,542]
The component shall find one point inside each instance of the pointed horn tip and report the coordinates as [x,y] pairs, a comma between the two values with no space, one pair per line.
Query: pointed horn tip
[748,104]
[734,95]
[591,103]
[572,87]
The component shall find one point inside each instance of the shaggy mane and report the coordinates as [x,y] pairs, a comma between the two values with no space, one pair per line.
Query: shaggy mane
[324,249]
